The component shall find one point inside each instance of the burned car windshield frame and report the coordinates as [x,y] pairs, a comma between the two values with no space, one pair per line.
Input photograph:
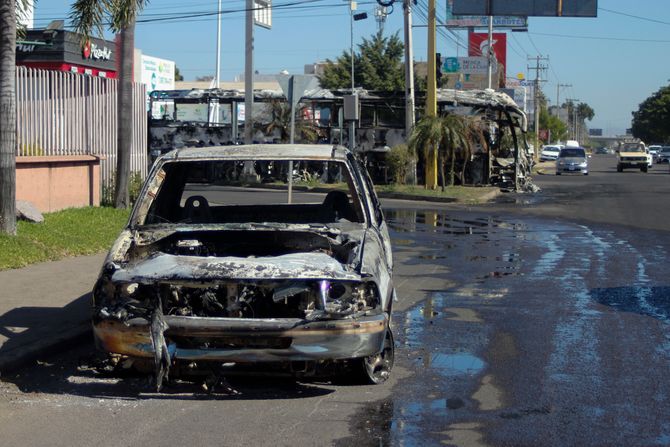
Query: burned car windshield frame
[185,191]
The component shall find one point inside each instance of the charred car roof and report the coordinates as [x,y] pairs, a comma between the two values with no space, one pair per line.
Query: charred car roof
[262,152]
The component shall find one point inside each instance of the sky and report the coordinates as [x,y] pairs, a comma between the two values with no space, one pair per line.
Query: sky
[612,62]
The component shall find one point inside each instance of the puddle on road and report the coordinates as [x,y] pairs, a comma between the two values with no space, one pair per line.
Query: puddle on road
[418,317]
[412,221]
[648,301]
[457,364]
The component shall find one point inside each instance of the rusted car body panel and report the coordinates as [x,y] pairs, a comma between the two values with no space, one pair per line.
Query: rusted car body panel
[177,288]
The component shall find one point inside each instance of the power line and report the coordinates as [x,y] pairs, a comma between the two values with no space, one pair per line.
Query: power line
[634,16]
[620,39]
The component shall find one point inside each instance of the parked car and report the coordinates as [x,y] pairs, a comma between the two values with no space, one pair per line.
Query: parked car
[215,266]
[572,160]
[550,152]
[664,155]
[633,155]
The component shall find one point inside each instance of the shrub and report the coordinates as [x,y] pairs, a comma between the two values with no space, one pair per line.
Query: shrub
[399,160]
[135,183]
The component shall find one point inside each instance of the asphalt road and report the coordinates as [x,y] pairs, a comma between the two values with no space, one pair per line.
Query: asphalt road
[538,320]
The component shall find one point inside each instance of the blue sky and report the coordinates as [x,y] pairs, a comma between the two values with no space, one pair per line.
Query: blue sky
[613,62]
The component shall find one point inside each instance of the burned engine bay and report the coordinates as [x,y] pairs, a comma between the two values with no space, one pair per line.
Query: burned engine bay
[238,274]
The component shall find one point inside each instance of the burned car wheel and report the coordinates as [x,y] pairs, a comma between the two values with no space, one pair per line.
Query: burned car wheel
[376,369]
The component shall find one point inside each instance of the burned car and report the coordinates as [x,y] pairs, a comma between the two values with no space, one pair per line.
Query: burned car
[259,253]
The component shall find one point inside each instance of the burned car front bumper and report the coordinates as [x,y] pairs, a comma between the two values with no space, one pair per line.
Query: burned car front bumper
[247,340]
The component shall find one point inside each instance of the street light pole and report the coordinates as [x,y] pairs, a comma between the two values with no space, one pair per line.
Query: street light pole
[352,6]
[218,46]
[352,123]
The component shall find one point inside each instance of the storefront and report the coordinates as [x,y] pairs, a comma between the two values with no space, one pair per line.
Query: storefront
[61,50]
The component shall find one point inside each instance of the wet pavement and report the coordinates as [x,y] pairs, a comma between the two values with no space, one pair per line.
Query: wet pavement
[549,333]
[510,330]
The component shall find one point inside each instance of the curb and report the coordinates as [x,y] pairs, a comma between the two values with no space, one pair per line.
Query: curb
[398,195]
[13,361]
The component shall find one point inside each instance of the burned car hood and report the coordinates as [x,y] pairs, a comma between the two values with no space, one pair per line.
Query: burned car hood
[202,253]
[173,268]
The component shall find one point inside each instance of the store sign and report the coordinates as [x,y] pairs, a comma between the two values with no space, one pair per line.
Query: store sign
[25,48]
[93,51]
[483,22]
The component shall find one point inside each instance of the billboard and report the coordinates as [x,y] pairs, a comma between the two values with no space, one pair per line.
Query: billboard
[540,8]
[483,21]
[478,46]
[157,74]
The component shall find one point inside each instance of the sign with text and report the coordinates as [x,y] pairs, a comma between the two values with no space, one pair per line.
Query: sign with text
[538,8]
[468,65]
[483,22]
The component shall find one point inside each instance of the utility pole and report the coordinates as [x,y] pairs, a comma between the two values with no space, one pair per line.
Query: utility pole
[490,51]
[536,110]
[249,74]
[381,13]
[409,69]
[431,95]
[558,104]
[409,81]
[573,101]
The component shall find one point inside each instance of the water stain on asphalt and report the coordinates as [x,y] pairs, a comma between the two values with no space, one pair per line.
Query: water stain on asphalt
[488,395]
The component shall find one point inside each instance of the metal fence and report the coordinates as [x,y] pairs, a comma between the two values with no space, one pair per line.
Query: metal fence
[60,113]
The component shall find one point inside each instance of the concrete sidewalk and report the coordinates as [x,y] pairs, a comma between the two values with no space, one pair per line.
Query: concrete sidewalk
[45,306]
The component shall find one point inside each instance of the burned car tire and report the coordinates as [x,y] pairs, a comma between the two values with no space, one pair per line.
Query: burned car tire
[376,369]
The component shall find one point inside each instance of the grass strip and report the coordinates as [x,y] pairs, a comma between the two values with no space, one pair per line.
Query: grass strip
[469,194]
[70,232]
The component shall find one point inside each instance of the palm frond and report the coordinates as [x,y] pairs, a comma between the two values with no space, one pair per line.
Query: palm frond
[88,16]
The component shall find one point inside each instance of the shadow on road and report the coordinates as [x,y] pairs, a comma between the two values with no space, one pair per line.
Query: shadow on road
[84,373]
[37,329]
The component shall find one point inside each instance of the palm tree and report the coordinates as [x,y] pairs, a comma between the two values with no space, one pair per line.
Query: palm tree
[87,16]
[281,122]
[8,29]
[426,136]
[451,136]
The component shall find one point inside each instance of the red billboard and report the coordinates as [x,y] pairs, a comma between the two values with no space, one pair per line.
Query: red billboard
[478,46]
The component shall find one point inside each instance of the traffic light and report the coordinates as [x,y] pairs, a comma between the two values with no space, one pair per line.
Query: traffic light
[438,67]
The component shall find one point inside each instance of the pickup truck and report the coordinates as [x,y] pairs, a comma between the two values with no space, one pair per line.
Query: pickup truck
[633,155]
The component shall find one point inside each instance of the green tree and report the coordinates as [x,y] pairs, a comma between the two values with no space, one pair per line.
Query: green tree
[651,121]
[558,130]
[177,74]
[88,16]
[378,65]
